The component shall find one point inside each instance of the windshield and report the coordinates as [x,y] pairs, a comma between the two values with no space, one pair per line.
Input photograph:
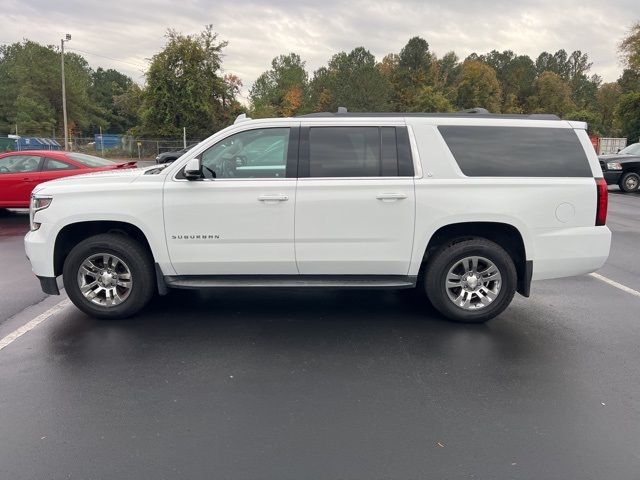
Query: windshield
[633,149]
[90,160]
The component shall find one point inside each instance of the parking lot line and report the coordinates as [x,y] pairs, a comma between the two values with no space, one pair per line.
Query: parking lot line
[613,283]
[30,325]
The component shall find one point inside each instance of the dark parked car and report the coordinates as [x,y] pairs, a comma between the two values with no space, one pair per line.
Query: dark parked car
[623,168]
[167,157]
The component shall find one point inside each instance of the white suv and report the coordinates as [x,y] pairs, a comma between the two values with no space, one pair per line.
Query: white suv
[469,207]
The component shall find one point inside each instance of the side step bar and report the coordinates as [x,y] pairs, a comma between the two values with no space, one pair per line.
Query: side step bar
[259,281]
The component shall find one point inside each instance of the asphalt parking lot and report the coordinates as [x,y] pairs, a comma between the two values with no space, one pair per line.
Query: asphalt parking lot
[285,384]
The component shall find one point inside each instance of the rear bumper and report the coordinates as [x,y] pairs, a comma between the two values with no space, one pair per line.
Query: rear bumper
[570,251]
[612,178]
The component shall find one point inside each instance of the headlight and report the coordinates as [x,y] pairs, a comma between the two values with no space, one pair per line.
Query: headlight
[38,202]
[614,166]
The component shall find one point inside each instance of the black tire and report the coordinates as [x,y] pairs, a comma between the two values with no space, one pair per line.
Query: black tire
[447,256]
[629,182]
[138,260]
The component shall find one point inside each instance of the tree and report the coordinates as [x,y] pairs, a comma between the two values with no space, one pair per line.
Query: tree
[185,87]
[607,100]
[411,73]
[30,90]
[105,86]
[429,99]
[552,95]
[629,81]
[629,48]
[628,113]
[516,74]
[350,80]
[478,86]
[280,91]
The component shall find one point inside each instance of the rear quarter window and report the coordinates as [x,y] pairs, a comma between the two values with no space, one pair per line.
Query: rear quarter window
[486,151]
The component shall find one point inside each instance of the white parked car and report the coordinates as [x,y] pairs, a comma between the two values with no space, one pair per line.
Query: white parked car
[469,207]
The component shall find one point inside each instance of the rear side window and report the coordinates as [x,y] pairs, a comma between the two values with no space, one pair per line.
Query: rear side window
[355,152]
[516,151]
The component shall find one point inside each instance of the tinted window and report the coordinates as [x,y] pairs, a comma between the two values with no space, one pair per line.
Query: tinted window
[51,164]
[90,160]
[19,164]
[259,153]
[344,152]
[516,151]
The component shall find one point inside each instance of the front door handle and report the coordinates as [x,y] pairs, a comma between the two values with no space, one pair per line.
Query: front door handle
[391,197]
[273,198]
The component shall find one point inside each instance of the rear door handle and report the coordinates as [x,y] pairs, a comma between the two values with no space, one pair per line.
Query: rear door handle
[391,197]
[273,198]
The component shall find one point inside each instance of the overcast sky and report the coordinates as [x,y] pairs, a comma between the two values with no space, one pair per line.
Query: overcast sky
[131,31]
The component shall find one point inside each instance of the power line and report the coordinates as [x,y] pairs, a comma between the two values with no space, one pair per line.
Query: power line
[109,58]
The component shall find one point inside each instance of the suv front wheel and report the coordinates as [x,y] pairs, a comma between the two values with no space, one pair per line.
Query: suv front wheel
[471,281]
[109,276]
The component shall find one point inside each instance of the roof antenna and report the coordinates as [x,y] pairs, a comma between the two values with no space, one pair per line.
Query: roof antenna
[342,109]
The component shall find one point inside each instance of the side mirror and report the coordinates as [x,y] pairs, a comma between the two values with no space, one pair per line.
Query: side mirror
[193,169]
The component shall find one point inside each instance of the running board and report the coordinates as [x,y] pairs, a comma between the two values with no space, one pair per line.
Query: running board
[259,281]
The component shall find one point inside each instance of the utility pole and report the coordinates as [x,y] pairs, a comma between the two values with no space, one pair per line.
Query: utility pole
[184,137]
[64,92]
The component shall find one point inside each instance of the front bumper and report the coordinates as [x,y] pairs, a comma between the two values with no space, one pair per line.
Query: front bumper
[612,177]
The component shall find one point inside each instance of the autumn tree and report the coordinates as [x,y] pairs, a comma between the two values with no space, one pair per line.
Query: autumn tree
[281,90]
[478,87]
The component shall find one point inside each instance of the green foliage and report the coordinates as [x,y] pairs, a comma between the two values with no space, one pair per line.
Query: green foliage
[628,112]
[30,90]
[282,90]
[185,87]
[594,126]
[350,80]
[479,86]
[551,95]
[106,86]
[428,99]
[629,48]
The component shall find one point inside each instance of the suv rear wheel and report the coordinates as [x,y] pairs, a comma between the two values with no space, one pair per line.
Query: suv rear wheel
[471,281]
[109,276]
[629,182]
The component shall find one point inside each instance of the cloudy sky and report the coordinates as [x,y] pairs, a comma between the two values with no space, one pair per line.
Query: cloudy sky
[130,32]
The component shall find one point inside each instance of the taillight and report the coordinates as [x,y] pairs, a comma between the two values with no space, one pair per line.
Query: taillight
[603,201]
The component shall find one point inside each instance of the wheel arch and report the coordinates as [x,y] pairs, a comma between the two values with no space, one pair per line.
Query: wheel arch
[506,235]
[73,233]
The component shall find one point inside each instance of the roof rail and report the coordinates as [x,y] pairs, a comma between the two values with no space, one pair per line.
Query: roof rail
[478,113]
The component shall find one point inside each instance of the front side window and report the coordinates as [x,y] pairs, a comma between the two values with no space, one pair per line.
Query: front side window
[259,153]
[19,164]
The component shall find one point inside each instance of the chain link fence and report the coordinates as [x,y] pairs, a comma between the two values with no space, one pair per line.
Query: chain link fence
[126,146]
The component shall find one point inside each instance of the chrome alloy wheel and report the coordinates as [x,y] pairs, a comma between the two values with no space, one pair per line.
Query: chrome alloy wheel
[473,283]
[105,279]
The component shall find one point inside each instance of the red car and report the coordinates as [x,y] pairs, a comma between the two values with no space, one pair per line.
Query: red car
[21,171]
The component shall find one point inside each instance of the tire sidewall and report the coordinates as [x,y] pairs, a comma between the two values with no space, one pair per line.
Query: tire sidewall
[435,277]
[623,186]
